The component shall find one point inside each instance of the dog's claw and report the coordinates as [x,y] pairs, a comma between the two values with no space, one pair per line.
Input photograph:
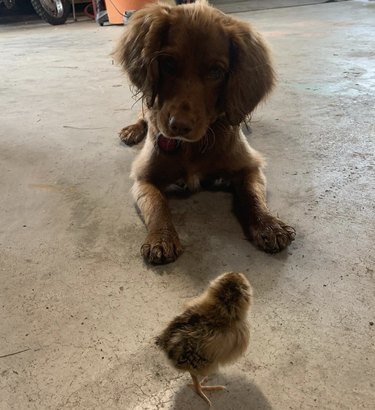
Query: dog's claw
[272,235]
[161,249]
[133,134]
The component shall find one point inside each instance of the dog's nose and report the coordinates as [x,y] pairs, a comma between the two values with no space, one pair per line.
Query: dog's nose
[178,126]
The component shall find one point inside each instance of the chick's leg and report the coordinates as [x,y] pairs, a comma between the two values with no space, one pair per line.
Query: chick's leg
[197,386]
[198,389]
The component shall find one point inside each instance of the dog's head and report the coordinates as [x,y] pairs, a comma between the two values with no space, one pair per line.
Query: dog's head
[193,64]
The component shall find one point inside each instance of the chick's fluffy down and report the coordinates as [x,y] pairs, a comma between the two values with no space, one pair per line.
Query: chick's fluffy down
[213,331]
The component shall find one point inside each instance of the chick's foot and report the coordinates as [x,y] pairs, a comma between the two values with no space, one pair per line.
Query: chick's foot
[199,388]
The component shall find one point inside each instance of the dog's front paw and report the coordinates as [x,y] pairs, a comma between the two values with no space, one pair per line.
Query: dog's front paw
[162,247]
[133,134]
[271,234]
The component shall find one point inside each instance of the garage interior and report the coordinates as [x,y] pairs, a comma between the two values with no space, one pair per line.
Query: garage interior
[79,307]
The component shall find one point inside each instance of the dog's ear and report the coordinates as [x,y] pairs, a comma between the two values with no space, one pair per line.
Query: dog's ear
[138,48]
[251,76]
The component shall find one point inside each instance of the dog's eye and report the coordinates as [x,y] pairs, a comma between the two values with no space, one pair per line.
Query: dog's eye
[168,66]
[216,73]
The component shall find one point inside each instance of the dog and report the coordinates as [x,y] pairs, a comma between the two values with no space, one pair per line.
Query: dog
[200,74]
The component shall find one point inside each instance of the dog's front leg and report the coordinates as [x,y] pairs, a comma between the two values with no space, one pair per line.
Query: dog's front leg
[265,230]
[162,244]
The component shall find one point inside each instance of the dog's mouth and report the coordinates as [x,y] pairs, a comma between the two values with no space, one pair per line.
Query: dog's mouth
[193,135]
[179,138]
[167,144]
[172,144]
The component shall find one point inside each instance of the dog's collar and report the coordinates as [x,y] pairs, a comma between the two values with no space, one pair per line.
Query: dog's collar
[168,145]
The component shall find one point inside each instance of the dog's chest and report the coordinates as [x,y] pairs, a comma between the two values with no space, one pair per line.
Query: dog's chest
[190,183]
[196,182]
[193,182]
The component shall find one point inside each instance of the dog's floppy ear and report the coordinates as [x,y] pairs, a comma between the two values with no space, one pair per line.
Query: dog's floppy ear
[251,76]
[138,48]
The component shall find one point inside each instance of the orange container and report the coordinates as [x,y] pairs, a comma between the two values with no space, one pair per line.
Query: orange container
[117,8]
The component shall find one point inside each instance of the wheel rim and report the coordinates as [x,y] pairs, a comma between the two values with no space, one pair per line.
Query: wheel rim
[54,8]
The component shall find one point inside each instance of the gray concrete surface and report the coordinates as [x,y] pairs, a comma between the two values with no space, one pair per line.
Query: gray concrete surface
[79,308]
[240,6]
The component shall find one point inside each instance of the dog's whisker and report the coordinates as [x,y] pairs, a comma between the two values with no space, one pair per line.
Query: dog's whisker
[206,146]
[213,138]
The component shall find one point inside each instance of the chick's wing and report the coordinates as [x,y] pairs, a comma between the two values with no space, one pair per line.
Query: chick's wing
[185,341]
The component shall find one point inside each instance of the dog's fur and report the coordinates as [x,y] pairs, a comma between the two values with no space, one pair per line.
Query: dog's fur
[200,73]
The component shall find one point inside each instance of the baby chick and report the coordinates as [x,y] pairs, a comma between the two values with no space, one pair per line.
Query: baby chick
[212,331]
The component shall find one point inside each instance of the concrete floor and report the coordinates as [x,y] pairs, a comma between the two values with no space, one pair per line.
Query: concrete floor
[79,308]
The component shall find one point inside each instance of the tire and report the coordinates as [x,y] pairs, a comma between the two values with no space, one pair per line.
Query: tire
[52,11]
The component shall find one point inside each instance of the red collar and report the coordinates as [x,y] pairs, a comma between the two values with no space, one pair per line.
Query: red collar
[168,145]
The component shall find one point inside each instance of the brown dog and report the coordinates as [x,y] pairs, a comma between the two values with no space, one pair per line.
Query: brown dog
[200,74]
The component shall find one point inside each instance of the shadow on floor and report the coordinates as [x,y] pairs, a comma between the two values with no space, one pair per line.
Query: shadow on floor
[241,394]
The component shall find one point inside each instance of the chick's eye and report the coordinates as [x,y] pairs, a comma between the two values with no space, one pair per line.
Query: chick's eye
[168,66]
[216,73]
